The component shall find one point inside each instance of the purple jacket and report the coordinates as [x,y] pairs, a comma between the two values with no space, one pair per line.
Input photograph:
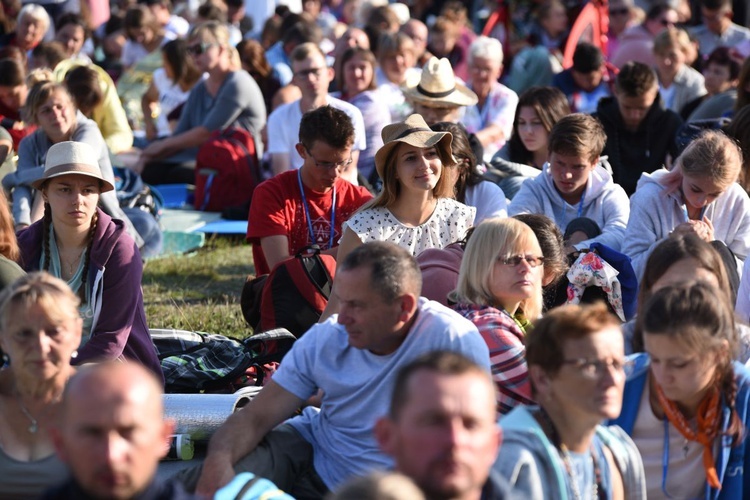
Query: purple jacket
[119,327]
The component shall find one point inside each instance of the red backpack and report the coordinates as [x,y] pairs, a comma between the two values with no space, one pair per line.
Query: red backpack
[293,295]
[226,171]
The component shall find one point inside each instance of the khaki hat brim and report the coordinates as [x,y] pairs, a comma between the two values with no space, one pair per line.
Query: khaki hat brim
[419,139]
[461,96]
[105,185]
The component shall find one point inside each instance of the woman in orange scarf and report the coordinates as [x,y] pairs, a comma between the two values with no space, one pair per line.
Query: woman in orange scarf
[686,401]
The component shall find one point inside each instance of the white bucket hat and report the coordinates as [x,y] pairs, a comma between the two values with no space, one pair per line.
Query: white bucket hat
[438,86]
[72,158]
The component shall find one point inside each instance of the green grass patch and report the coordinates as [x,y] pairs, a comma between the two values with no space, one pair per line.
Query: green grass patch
[200,291]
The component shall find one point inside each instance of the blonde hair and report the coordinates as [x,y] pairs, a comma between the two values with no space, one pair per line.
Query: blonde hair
[52,294]
[491,239]
[712,155]
[218,33]
[672,37]
[39,94]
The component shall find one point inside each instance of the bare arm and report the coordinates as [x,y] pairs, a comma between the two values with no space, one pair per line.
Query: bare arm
[242,432]
[6,147]
[196,136]
[148,101]
[490,134]
[349,241]
[275,249]
[280,162]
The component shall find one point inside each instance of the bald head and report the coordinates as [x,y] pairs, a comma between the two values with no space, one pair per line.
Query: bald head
[417,31]
[112,433]
[112,384]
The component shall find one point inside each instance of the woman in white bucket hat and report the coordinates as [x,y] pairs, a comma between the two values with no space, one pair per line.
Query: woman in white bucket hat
[80,244]
[415,209]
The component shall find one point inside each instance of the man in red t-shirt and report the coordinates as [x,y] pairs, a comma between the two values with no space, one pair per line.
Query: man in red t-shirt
[305,207]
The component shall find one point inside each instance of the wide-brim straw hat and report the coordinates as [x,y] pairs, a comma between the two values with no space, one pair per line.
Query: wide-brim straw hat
[438,87]
[72,158]
[415,132]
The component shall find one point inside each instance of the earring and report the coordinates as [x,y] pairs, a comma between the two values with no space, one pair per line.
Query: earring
[74,355]
[6,360]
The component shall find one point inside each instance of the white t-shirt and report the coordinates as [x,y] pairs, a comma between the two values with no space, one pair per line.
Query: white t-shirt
[357,386]
[283,128]
[489,200]
[170,96]
[178,26]
[447,224]
[686,477]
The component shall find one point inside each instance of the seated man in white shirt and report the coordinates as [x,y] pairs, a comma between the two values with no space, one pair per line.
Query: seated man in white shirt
[312,75]
[353,358]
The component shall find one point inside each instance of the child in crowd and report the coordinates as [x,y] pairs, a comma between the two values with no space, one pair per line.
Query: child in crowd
[699,195]
[575,189]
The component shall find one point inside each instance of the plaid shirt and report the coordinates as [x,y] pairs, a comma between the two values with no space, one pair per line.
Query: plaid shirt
[504,339]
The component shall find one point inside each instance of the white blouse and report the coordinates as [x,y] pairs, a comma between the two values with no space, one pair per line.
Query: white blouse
[447,224]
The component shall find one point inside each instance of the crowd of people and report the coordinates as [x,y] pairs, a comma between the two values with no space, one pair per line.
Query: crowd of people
[542,287]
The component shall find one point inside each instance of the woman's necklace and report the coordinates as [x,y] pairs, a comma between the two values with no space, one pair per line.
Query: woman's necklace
[597,490]
[34,423]
[72,264]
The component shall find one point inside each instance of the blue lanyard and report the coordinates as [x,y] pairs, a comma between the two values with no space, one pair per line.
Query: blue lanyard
[580,207]
[307,212]
[665,458]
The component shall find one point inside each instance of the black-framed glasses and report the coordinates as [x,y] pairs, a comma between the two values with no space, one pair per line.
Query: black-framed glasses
[199,48]
[340,165]
[515,260]
[594,368]
[305,73]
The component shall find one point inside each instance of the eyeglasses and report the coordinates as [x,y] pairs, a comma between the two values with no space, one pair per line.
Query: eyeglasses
[515,260]
[199,48]
[619,12]
[330,165]
[305,73]
[594,368]
[666,22]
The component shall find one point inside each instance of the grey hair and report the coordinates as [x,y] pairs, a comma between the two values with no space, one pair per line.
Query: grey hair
[35,12]
[484,47]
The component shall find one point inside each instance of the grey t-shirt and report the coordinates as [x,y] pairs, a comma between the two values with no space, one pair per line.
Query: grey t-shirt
[238,103]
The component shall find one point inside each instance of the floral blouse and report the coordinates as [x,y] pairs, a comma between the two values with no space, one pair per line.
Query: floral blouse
[447,224]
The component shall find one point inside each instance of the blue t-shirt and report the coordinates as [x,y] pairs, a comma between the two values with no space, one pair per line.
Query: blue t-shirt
[357,386]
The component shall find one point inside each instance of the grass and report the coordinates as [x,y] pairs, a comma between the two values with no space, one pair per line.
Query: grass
[200,291]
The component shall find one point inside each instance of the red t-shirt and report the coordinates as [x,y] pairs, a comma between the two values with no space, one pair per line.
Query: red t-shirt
[276,209]
[15,134]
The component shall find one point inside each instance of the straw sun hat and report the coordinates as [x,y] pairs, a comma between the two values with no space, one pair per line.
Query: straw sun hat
[438,87]
[71,157]
[415,132]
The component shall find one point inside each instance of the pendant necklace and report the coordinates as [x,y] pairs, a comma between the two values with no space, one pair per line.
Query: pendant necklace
[73,264]
[34,424]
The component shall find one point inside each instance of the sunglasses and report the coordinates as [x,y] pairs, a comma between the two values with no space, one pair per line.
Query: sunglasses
[619,12]
[199,48]
[666,22]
